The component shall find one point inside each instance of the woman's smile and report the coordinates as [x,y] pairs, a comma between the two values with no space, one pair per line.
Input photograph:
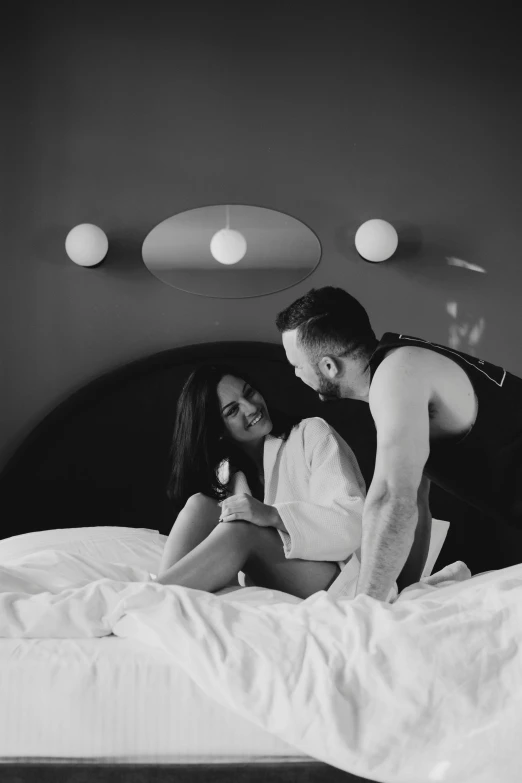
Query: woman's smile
[257,418]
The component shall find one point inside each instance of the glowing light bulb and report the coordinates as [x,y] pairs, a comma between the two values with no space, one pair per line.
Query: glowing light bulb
[376,240]
[86,244]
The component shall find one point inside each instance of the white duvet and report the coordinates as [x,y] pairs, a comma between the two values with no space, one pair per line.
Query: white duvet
[428,688]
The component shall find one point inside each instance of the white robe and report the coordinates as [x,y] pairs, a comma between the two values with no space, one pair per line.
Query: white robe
[314,481]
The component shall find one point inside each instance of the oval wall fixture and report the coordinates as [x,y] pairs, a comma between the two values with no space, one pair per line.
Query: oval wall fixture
[280,252]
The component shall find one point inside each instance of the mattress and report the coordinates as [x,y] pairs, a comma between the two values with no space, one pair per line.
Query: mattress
[117,699]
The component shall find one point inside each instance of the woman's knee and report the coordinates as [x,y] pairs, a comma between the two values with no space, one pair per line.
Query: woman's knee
[200,502]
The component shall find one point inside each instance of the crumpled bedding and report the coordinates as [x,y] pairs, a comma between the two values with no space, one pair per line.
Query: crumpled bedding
[428,688]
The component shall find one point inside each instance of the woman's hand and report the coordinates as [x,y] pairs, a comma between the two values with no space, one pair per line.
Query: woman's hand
[245,508]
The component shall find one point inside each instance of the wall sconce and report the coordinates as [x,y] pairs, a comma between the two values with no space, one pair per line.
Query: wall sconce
[228,246]
[282,251]
[376,240]
[86,244]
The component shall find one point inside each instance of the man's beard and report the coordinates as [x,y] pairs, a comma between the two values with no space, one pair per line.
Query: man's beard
[328,390]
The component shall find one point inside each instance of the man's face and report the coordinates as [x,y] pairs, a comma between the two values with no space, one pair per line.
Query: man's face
[327,388]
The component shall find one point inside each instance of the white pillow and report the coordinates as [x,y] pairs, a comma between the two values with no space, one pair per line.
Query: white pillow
[138,547]
[439,531]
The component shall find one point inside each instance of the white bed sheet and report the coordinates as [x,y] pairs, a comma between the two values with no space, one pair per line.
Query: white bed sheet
[117,699]
[427,688]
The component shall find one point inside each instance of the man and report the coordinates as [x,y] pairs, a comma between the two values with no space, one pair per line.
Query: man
[440,415]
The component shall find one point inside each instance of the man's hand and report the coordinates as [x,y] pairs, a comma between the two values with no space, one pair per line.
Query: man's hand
[245,508]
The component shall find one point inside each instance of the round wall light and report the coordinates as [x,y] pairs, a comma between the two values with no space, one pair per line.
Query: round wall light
[86,244]
[376,240]
[228,246]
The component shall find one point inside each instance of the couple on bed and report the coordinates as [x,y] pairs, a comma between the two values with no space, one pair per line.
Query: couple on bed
[284,501]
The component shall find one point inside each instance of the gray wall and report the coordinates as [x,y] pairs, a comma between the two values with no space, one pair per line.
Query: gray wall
[124,117]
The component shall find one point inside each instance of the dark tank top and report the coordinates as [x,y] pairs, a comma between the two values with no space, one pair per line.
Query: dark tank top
[484,466]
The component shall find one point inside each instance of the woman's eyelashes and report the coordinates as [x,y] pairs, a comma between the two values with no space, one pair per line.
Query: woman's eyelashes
[249,392]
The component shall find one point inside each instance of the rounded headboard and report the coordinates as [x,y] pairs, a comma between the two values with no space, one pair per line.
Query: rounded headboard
[101,457]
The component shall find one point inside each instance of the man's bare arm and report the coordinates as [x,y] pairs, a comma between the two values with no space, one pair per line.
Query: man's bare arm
[389,524]
[399,398]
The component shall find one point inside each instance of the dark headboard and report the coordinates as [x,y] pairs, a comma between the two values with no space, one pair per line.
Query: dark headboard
[102,456]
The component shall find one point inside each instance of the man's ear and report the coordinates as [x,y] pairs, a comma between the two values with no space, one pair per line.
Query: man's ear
[329,367]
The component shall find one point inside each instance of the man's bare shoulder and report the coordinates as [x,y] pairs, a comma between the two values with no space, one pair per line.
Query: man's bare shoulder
[401,382]
[412,377]
[419,362]
[406,362]
[413,356]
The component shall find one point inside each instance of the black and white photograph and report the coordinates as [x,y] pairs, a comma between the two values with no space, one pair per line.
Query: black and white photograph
[261,392]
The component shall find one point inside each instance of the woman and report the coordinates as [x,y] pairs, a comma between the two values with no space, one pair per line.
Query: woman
[276,497]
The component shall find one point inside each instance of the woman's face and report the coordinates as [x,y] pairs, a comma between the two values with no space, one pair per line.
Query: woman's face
[243,409]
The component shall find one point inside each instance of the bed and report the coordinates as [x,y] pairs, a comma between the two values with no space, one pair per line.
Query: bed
[113,708]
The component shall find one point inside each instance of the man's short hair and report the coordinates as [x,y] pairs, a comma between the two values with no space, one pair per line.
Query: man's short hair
[329,322]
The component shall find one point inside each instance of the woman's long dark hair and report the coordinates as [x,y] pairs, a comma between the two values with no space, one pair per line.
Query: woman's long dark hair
[200,443]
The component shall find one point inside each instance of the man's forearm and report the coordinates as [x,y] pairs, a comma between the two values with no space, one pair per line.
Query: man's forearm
[388,530]
[416,560]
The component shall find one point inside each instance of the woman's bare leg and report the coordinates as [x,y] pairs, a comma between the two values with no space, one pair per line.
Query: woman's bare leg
[267,566]
[215,562]
[193,524]
[235,546]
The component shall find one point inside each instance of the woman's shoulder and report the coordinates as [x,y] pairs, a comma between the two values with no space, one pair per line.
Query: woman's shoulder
[315,431]
[316,423]
[313,427]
